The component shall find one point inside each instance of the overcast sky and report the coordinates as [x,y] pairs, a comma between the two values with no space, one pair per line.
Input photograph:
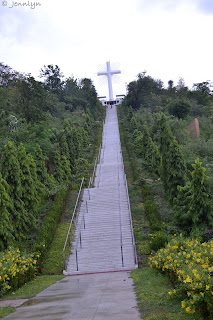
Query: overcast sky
[167,38]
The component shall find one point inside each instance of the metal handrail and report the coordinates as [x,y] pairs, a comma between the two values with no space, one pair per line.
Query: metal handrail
[130,215]
[131,225]
[119,205]
[72,221]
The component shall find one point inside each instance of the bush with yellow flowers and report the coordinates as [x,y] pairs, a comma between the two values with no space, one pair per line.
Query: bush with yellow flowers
[188,263]
[17,268]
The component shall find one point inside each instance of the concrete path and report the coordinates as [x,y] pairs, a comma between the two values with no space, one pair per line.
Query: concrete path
[102,296]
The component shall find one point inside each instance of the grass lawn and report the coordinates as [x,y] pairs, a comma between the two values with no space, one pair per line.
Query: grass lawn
[153,299]
[5,311]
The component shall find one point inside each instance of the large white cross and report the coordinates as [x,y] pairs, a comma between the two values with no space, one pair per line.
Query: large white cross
[109,74]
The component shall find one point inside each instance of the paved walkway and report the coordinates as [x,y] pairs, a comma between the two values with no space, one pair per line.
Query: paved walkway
[102,296]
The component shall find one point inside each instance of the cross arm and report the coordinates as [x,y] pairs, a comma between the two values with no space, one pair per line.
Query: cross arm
[115,71]
[104,73]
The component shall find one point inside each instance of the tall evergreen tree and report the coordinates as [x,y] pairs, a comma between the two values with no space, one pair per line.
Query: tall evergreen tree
[145,141]
[152,157]
[40,165]
[40,187]
[173,169]
[64,147]
[176,170]
[66,172]
[58,169]
[194,208]
[6,207]
[29,188]
[138,144]
[12,173]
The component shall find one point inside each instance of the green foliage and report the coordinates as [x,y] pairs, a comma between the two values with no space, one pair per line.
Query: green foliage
[138,144]
[153,157]
[82,169]
[52,76]
[58,169]
[12,173]
[145,140]
[41,169]
[152,289]
[151,209]
[30,195]
[173,169]
[6,206]
[133,124]
[179,108]
[66,173]
[52,218]
[194,201]
[158,240]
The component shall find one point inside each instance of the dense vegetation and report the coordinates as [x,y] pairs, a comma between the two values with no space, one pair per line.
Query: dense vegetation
[48,139]
[172,170]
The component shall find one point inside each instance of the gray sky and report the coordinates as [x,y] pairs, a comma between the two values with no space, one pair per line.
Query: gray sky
[167,38]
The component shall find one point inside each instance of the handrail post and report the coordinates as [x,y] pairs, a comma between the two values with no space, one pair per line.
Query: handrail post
[80,240]
[76,256]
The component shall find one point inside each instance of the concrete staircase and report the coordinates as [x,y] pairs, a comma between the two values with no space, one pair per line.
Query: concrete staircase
[104,238]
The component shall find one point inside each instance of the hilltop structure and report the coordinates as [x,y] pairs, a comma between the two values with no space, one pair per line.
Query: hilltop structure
[109,73]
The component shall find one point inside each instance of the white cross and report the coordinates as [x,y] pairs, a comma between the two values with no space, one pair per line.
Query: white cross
[109,74]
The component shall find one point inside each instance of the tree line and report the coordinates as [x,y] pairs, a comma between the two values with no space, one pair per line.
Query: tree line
[157,120]
[46,132]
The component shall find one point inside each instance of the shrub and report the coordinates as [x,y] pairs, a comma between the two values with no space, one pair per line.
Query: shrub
[188,263]
[158,241]
[17,268]
[53,216]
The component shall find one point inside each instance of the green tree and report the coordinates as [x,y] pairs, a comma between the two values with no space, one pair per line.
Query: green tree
[133,124]
[81,169]
[58,169]
[66,172]
[138,144]
[176,170]
[145,141]
[30,195]
[40,165]
[64,147]
[179,108]
[173,168]
[153,157]
[194,201]
[52,78]
[6,207]
[40,187]
[12,173]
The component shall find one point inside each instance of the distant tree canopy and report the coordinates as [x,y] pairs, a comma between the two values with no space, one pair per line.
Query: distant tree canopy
[146,92]
[179,108]
[143,90]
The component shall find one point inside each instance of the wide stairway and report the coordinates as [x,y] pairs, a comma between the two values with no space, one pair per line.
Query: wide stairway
[104,239]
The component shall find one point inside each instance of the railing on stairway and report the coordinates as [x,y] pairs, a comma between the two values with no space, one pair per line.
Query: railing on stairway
[71,222]
[119,205]
[129,208]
